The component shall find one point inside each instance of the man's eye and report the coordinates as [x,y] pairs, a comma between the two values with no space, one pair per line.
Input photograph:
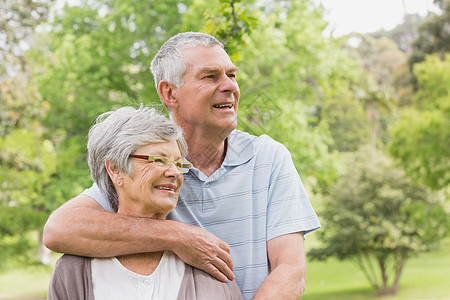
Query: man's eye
[232,75]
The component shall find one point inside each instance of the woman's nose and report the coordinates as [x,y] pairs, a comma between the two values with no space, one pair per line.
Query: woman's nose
[172,171]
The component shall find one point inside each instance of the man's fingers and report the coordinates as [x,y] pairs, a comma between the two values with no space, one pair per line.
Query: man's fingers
[223,268]
[213,271]
[224,246]
[205,251]
[225,256]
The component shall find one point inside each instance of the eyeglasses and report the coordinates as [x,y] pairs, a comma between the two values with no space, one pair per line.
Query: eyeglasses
[164,162]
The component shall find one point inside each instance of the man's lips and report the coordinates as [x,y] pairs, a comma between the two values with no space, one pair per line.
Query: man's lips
[225,105]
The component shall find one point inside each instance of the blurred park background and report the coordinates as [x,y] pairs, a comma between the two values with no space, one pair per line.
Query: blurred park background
[365,116]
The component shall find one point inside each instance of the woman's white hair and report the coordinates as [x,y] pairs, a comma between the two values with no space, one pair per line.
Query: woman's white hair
[119,133]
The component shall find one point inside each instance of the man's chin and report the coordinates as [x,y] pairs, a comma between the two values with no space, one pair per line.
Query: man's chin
[228,128]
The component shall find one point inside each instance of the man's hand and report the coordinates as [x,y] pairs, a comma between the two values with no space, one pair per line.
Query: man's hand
[204,251]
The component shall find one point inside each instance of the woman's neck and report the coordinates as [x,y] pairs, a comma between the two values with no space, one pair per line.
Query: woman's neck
[141,263]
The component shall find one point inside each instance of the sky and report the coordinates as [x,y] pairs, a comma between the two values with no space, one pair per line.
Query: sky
[364,16]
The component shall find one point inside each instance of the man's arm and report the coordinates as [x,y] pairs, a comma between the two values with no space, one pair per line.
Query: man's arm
[82,227]
[288,268]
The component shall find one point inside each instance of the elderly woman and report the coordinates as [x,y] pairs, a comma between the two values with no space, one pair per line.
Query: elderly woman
[136,158]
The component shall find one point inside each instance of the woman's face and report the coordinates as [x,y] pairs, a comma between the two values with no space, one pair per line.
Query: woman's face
[153,190]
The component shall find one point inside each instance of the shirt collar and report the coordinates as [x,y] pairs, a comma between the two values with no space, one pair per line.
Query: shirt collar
[240,148]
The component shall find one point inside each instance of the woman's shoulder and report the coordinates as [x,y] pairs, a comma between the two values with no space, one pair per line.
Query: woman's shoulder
[68,259]
[200,285]
[71,265]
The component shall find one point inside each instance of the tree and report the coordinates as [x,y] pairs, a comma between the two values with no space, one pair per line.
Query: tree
[403,34]
[27,158]
[17,23]
[434,36]
[230,21]
[421,134]
[101,51]
[27,162]
[381,59]
[378,218]
[347,121]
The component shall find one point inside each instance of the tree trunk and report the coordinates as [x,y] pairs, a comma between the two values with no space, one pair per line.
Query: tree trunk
[384,289]
[398,274]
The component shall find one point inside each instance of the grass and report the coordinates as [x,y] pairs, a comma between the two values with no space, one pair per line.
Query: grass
[25,283]
[425,277]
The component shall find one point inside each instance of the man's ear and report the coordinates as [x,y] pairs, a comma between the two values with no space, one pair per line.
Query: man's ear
[114,173]
[168,94]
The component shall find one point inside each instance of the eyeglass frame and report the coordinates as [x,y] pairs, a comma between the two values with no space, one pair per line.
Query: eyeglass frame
[185,165]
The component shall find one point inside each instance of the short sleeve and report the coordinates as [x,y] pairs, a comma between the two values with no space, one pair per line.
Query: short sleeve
[289,209]
[95,193]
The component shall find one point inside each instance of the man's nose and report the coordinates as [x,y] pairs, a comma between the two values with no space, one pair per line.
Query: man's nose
[229,84]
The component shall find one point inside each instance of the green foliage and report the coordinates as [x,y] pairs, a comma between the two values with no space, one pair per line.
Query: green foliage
[72,175]
[403,34]
[100,56]
[348,123]
[227,20]
[433,35]
[17,225]
[433,76]
[19,18]
[20,104]
[421,135]
[27,163]
[381,59]
[312,159]
[375,215]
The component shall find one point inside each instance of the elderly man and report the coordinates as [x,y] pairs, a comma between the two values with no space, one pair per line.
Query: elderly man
[242,207]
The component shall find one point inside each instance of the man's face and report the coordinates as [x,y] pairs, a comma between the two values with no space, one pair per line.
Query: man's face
[209,97]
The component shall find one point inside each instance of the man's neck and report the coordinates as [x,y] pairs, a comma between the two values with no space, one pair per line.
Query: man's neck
[206,154]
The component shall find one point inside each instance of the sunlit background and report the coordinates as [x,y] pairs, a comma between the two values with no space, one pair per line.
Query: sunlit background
[357,90]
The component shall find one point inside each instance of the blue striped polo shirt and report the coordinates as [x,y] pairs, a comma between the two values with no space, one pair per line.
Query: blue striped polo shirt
[254,196]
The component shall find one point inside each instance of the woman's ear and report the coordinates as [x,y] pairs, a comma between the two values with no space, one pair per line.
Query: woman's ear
[114,173]
[168,94]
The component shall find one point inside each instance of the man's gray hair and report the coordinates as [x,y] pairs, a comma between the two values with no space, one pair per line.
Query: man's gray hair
[168,64]
[119,133]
